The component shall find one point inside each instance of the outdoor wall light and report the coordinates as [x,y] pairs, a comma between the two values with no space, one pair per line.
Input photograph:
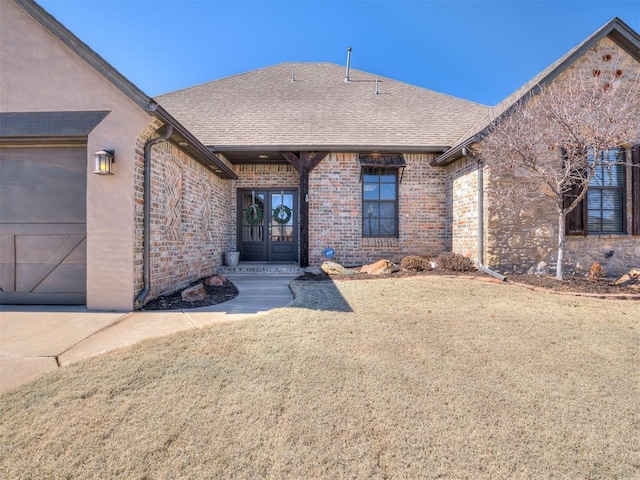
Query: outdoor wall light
[103,162]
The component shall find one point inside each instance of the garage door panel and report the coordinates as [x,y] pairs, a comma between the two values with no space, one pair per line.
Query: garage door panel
[64,279]
[78,255]
[19,172]
[42,203]
[39,248]
[43,225]
[19,298]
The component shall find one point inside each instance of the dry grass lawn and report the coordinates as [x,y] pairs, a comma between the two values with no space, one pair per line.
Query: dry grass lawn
[421,377]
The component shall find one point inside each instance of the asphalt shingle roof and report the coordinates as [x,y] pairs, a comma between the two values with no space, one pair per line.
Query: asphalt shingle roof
[266,108]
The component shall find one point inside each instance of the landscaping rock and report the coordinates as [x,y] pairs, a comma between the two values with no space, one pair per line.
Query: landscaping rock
[215,281]
[381,267]
[542,269]
[195,293]
[333,268]
[313,270]
[629,278]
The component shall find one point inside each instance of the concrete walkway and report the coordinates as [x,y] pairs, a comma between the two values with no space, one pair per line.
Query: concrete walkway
[36,339]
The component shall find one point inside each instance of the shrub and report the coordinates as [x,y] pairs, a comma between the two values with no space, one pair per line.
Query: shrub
[455,262]
[414,263]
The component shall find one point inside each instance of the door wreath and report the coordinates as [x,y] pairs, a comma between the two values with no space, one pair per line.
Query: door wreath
[253,215]
[282,214]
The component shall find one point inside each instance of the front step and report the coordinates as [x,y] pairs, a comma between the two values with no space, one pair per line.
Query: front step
[262,268]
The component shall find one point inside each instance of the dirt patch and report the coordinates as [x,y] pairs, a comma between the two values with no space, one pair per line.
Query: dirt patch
[215,295]
[570,284]
[577,284]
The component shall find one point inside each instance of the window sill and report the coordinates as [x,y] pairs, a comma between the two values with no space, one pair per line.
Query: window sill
[600,236]
[380,242]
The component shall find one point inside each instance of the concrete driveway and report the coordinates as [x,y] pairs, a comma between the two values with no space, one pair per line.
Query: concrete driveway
[37,339]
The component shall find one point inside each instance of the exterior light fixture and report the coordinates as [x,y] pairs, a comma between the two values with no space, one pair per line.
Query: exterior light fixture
[103,162]
[263,156]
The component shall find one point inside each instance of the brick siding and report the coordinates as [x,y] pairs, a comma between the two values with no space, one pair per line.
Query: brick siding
[335,212]
[190,218]
[462,207]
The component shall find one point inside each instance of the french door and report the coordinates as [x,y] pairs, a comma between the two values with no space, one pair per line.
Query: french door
[267,225]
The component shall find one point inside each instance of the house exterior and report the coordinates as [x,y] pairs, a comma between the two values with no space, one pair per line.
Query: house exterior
[69,236]
[292,163]
[519,241]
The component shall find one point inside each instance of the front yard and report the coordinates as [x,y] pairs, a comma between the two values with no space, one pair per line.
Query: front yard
[417,377]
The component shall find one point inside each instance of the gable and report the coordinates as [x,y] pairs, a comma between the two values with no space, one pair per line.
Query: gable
[615,33]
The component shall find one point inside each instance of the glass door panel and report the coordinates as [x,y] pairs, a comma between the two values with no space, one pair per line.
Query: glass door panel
[252,226]
[282,245]
[267,226]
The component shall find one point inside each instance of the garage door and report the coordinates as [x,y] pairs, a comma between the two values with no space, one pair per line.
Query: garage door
[43,225]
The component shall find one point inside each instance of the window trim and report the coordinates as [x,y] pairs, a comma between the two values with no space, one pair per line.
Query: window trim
[576,221]
[379,171]
[620,189]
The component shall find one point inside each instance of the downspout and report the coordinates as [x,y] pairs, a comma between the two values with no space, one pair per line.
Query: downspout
[146,219]
[481,266]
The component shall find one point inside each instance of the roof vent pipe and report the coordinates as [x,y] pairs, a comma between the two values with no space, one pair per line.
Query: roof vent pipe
[377,89]
[346,75]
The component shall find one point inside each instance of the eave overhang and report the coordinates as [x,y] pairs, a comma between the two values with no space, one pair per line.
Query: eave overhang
[195,148]
[617,30]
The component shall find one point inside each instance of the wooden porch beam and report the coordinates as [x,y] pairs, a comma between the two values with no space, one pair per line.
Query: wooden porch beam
[304,159]
[293,159]
[304,162]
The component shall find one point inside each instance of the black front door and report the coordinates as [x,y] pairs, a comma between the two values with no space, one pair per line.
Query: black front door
[267,225]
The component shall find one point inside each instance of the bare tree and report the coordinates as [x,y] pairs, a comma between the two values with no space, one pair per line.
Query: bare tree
[555,136]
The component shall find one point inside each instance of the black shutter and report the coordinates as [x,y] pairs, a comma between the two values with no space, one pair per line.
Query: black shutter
[576,219]
[635,190]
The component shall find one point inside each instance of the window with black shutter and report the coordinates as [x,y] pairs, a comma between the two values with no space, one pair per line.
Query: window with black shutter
[603,209]
[605,197]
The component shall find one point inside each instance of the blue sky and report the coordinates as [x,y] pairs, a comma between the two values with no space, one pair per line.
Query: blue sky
[478,50]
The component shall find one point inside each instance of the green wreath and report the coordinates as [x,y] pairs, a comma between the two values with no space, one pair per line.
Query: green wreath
[253,215]
[278,214]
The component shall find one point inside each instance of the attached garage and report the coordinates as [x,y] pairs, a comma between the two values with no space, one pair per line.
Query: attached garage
[43,189]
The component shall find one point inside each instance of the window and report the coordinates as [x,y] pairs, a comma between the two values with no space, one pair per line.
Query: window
[603,211]
[605,197]
[379,202]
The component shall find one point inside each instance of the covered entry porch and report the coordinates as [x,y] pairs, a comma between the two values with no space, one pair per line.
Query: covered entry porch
[272,210]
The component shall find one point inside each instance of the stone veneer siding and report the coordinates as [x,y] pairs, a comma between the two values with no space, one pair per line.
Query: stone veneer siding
[335,212]
[517,242]
[190,218]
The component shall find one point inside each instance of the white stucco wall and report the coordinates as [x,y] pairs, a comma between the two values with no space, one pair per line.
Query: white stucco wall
[39,73]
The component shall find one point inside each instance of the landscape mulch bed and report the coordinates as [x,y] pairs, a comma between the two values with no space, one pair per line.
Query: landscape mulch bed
[577,284]
[570,284]
[215,295]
